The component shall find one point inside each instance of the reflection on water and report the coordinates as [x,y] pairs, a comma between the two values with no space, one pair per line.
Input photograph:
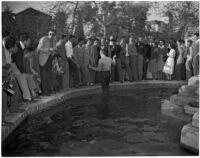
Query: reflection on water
[129,122]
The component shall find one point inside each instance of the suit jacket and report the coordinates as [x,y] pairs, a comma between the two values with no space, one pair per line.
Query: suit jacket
[43,48]
[94,55]
[79,55]
[17,58]
[140,48]
[147,51]
[117,50]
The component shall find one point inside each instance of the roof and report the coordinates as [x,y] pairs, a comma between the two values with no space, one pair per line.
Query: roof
[155,22]
[32,12]
[7,13]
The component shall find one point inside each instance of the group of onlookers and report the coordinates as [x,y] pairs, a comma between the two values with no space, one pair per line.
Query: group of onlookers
[70,62]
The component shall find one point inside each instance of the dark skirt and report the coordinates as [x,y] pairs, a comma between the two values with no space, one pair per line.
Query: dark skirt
[180,72]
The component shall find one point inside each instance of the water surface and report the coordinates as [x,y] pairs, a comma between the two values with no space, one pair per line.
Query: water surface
[127,123]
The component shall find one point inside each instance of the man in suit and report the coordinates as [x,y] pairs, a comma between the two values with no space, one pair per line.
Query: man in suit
[47,49]
[116,53]
[11,95]
[140,50]
[94,57]
[73,67]
[25,81]
[87,59]
[82,60]
[147,56]
[195,50]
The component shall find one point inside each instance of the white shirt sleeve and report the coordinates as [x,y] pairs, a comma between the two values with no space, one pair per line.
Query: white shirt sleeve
[41,46]
[69,50]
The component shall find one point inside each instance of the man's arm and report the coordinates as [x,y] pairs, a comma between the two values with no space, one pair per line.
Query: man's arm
[41,48]
[99,68]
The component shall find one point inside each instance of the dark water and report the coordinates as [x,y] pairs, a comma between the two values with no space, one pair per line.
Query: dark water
[129,122]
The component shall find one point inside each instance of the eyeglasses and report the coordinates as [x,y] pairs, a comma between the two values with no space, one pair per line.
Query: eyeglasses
[51,34]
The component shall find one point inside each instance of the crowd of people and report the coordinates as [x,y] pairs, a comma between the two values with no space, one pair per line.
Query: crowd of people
[59,63]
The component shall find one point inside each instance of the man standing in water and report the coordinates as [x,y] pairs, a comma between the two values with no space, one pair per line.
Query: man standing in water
[104,68]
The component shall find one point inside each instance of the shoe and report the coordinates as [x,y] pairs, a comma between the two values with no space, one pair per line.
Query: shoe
[29,101]
[6,123]
[45,94]
[37,97]
[17,111]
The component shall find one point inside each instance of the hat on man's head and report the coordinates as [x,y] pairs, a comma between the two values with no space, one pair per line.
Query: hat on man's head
[113,40]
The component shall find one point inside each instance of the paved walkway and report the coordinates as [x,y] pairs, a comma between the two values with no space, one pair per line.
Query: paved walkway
[58,98]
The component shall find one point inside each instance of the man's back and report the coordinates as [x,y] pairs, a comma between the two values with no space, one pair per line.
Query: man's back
[18,57]
[105,63]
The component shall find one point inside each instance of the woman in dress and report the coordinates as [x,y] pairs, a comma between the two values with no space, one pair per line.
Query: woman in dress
[168,68]
[153,64]
[162,51]
[180,63]
[63,77]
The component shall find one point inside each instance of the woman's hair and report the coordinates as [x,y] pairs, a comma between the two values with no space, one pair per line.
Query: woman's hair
[10,42]
[172,45]
[103,50]
[181,41]
[24,37]
[189,41]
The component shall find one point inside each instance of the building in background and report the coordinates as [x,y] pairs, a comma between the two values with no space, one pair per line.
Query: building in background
[8,21]
[30,20]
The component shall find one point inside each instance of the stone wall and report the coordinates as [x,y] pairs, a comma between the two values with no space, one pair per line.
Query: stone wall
[185,106]
[59,98]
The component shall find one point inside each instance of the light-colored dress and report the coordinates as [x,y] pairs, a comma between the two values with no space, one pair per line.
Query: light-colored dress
[169,64]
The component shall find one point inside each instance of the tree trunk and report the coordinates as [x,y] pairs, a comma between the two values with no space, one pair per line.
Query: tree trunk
[73,18]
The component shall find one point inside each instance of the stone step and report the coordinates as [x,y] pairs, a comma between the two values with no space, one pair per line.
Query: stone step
[194,81]
[167,105]
[195,120]
[190,138]
[189,90]
[191,110]
[174,111]
[183,100]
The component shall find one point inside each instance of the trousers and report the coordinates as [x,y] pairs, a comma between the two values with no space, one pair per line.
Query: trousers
[134,67]
[46,76]
[104,78]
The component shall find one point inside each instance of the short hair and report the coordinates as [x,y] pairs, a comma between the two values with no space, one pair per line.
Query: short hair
[10,42]
[113,40]
[163,40]
[103,50]
[24,37]
[181,41]
[80,39]
[172,45]
[71,36]
[5,34]
[189,41]
[89,39]
[96,39]
[196,34]
[52,30]
[63,36]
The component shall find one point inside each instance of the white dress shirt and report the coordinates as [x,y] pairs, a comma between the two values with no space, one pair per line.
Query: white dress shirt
[7,54]
[69,49]
[22,45]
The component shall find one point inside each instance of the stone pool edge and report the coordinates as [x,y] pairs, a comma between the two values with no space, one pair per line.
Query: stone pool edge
[60,97]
